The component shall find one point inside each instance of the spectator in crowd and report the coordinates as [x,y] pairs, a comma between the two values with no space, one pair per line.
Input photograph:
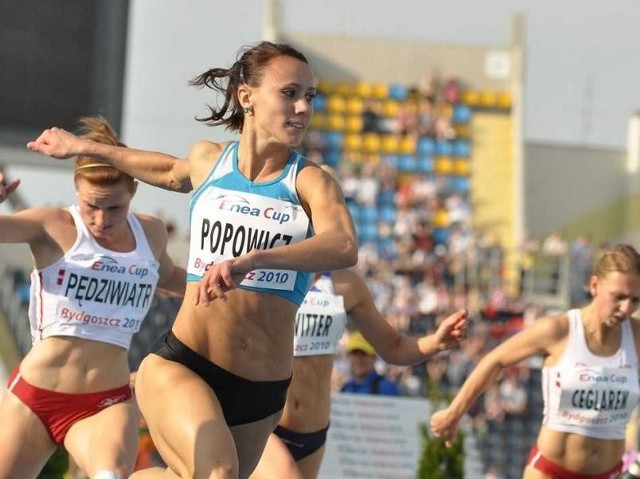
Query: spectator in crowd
[229,353]
[581,260]
[554,244]
[371,118]
[365,379]
[586,413]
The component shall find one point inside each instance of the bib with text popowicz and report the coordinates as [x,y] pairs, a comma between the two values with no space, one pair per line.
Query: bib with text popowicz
[230,215]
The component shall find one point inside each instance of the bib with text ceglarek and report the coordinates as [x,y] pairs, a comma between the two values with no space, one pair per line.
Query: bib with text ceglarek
[320,322]
[226,224]
[597,396]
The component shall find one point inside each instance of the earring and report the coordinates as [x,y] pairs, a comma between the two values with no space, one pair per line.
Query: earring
[248,110]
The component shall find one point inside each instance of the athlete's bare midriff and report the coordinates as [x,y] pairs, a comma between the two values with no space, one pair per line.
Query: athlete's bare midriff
[74,365]
[581,454]
[308,403]
[247,333]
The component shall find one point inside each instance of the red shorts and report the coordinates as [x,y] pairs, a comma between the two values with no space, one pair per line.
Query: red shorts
[59,411]
[544,465]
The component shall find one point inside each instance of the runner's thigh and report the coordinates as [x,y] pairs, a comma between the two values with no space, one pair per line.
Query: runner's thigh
[26,444]
[108,440]
[184,418]
[250,441]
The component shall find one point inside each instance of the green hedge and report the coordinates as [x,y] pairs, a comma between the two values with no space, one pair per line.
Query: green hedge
[439,461]
[57,465]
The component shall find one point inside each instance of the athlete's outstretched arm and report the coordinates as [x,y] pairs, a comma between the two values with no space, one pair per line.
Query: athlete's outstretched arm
[536,339]
[389,344]
[154,168]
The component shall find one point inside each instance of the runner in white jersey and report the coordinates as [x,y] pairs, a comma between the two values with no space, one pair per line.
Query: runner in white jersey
[263,220]
[96,270]
[296,448]
[590,376]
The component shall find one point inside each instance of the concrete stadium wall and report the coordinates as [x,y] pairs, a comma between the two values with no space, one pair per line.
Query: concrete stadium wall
[373,59]
[576,190]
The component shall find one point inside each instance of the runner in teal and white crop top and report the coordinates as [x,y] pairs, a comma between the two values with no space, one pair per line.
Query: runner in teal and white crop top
[231,215]
[591,395]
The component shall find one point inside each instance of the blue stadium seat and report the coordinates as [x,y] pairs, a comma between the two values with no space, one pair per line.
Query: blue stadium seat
[386,198]
[461,148]
[391,160]
[368,233]
[320,102]
[407,164]
[460,184]
[398,91]
[334,139]
[332,158]
[354,209]
[386,248]
[425,164]
[440,235]
[426,146]
[388,214]
[444,148]
[461,113]
[368,215]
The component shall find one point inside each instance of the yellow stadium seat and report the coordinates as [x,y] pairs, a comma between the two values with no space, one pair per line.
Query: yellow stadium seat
[443,165]
[353,157]
[408,145]
[390,108]
[318,121]
[353,142]
[372,143]
[441,218]
[461,167]
[462,130]
[354,124]
[390,144]
[411,106]
[336,104]
[505,100]
[380,91]
[336,122]
[344,88]
[371,158]
[471,97]
[325,86]
[488,99]
[355,105]
[364,90]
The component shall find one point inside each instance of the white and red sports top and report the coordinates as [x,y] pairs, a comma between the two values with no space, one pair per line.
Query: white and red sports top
[591,395]
[320,320]
[92,292]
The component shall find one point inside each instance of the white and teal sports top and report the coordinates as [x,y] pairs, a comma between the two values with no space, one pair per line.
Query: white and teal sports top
[231,215]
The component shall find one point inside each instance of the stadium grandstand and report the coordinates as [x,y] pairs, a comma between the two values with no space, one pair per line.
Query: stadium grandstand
[452,206]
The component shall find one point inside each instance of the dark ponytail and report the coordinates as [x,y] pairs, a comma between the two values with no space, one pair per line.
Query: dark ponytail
[248,68]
